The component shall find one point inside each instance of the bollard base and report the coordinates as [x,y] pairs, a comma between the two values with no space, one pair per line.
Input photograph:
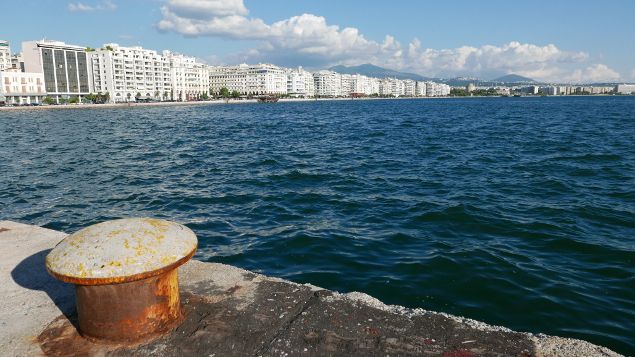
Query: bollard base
[129,312]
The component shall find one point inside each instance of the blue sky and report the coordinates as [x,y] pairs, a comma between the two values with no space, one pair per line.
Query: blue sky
[570,41]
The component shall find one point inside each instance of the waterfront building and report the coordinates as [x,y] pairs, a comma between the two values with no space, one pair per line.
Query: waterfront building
[420,89]
[348,86]
[391,87]
[431,89]
[470,87]
[21,88]
[327,84]
[434,89]
[550,90]
[249,79]
[5,55]
[409,88]
[190,80]
[131,73]
[362,85]
[300,83]
[625,89]
[65,67]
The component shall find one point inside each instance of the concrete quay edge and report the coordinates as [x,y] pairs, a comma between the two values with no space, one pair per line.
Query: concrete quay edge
[234,312]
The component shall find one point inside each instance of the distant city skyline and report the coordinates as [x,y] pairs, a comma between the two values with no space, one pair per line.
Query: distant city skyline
[567,41]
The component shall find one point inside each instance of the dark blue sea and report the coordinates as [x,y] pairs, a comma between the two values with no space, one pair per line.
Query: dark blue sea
[515,211]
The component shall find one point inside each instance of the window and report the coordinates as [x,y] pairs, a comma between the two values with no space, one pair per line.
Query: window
[60,73]
[49,69]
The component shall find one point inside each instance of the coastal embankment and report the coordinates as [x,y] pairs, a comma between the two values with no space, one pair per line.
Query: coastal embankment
[234,312]
[193,103]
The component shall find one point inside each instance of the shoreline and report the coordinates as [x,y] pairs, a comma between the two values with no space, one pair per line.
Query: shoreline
[247,101]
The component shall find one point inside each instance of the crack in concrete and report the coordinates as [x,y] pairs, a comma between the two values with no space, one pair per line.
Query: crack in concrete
[315,297]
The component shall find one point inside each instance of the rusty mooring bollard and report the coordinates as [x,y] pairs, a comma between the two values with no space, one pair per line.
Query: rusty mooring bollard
[125,276]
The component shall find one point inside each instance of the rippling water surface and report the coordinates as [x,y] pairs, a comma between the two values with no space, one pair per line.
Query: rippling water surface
[518,211]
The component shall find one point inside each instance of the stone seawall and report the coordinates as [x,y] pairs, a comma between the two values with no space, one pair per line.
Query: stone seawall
[234,312]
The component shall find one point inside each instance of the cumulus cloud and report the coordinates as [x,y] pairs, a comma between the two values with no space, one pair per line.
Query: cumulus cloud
[594,73]
[82,7]
[310,40]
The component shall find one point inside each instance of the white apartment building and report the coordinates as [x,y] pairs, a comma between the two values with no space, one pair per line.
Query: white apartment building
[131,73]
[5,55]
[65,67]
[300,83]
[21,88]
[410,87]
[348,87]
[420,89]
[625,88]
[362,85]
[434,89]
[392,87]
[190,80]
[328,84]
[249,79]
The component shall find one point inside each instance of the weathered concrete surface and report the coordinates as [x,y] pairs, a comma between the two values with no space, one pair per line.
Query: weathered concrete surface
[233,312]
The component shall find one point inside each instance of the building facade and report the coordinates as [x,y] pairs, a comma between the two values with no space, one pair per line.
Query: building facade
[5,55]
[625,88]
[190,80]
[131,73]
[300,83]
[21,88]
[249,79]
[65,67]
[328,84]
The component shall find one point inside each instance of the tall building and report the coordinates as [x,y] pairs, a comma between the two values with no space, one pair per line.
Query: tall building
[420,90]
[249,79]
[410,87]
[392,87]
[328,84]
[362,85]
[65,67]
[131,73]
[625,88]
[300,83]
[5,55]
[190,80]
[348,85]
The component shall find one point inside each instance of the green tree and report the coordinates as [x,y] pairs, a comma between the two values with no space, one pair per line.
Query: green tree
[224,92]
[235,94]
[73,100]
[48,100]
[204,96]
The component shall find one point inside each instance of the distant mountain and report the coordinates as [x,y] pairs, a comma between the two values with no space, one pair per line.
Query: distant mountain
[376,71]
[513,78]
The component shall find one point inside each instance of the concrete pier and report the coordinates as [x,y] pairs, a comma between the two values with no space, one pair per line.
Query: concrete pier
[234,312]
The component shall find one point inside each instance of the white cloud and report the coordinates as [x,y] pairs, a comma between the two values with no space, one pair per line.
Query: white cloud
[594,73]
[633,75]
[81,7]
[309,40]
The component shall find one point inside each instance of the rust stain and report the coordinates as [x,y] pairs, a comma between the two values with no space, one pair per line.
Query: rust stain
[131,311]
[4,230]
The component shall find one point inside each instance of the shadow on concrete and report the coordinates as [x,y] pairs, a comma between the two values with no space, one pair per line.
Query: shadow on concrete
[31,274]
